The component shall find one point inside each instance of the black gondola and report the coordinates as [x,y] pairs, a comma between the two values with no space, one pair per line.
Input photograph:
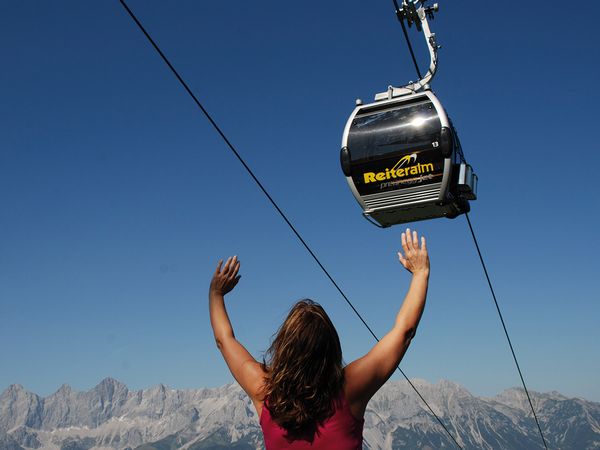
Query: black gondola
[402,157]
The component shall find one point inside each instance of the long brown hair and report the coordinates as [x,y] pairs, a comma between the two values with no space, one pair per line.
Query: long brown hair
[304,370]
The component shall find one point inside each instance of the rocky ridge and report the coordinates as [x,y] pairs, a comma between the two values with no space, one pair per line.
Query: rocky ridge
[110,416]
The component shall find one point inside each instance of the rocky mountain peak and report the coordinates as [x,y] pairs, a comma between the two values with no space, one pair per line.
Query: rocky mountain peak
[15,388]
[65,389]
[110,383]
[111,416]
[109,389]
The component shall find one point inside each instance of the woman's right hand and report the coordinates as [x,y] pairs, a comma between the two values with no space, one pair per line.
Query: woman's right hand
[415,258]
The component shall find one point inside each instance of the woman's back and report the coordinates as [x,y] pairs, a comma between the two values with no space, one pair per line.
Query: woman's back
[341,431]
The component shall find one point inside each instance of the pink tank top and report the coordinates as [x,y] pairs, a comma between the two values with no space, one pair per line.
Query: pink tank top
[342,431]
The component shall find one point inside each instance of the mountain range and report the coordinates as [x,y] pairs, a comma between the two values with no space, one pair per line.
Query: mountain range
[110,416]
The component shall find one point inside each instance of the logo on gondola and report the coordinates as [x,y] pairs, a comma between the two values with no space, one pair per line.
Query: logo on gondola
[402,169]
[405,160]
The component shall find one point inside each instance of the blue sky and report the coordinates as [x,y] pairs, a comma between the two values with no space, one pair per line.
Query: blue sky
[117,198]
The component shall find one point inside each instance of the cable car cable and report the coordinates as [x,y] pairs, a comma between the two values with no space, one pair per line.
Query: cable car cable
[281,213]
[504,327]
[406,37]
[388,203]
[409,13]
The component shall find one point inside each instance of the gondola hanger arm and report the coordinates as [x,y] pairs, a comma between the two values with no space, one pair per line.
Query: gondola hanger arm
[418,16]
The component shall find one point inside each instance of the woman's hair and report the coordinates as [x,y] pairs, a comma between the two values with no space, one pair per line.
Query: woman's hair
[304,370]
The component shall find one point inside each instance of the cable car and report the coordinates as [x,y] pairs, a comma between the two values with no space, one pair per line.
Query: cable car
[401,154]
[403,161]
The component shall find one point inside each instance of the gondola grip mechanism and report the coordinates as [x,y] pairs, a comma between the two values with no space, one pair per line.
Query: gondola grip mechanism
[418,16]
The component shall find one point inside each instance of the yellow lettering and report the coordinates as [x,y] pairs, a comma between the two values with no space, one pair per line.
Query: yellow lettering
[369,177]
[395,172]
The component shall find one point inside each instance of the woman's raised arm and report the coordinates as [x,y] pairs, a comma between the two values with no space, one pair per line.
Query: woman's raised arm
[366,375]
[245,369]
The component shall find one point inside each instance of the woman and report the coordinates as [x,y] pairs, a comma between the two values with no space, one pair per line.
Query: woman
[304,397]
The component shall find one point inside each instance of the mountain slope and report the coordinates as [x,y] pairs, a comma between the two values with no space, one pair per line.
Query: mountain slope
[110,416]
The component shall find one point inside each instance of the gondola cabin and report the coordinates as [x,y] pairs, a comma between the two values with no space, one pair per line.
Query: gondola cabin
[403,161]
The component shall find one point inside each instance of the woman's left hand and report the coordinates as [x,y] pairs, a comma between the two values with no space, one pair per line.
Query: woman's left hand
[225,277]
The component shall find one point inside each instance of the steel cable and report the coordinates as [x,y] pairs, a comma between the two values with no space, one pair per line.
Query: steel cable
[410,49]
[407,38]
[505,330]
[273,203]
